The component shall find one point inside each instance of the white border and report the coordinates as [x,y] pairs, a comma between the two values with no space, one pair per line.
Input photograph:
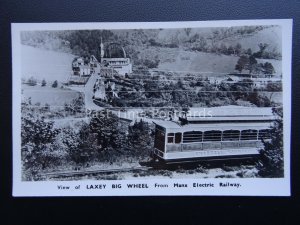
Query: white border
[249,186]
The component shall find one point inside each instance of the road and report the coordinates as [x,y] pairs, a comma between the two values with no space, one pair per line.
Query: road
[88,90]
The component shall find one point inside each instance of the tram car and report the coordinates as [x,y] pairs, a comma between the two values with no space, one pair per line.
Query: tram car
[228,133]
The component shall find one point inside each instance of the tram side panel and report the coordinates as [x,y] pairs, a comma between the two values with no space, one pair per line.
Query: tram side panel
[174,145]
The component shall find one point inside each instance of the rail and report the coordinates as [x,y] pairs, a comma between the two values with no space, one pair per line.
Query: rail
[94,171]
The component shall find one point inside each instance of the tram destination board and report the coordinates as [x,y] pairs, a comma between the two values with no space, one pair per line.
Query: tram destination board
[152,108]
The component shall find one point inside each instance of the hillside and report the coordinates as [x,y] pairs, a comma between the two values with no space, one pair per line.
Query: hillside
[270,35]
[172,59]
[45,64]
[176,59]
[144,46]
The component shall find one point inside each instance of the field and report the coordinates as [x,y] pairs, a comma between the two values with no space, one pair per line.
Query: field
[45,64]
[48,95]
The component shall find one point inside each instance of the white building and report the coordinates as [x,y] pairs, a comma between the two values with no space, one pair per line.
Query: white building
[114,56]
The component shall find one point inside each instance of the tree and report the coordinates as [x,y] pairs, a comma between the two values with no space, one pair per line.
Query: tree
[194,38]
[37,141]
[252,63]
[242,63]
[79,144]
[274,87]
[268,68]
[44,83]
[223,49]
[201,43]
[230,50]
[108,130]
[75,106]
[262,48]
[238,49]
[72,142]
[31,81]
[272,154]
[55,84]
[249,52]
[187,31]
[139,138]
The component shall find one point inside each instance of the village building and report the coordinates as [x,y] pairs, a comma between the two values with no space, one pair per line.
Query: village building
[258,80]
[114,56]
[82,68]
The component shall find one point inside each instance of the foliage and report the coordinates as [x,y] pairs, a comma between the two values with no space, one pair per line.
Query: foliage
[38,151]
[87,42]
[55,84]
[109,133]
[139,139]
[148,62]
[79,145]
[31,81]
[272,154]
[263,53]
[250,63]
[242,63]
[75,106]
[268,68]
[44,83]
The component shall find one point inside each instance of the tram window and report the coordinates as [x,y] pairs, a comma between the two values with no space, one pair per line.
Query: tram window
[177,138]
[231,135]
[192,136]
[212,135]
[249,135]
[170,137]
[264,134]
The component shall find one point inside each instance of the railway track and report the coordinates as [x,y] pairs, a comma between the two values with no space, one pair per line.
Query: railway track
[93,172]
[147,166]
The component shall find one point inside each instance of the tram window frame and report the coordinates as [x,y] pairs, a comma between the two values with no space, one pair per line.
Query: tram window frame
[231,135]
[265,131]
[192,137]
[170,138]
[206,139]
[248,137]
[174,138]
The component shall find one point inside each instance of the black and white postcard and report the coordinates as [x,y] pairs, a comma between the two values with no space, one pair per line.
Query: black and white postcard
[152,109]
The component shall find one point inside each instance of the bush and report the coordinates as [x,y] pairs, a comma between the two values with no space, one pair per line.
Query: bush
[272,164]
[151,63]
[44,83]
[31,81]
[38,146]
[55,84]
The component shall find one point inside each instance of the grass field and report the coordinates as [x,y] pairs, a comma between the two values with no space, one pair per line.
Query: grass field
[49,95]
[45,64]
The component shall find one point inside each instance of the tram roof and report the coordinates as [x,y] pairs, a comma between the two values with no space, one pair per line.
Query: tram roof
[228,118]
[221,117]
[173,126]
[230,111]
